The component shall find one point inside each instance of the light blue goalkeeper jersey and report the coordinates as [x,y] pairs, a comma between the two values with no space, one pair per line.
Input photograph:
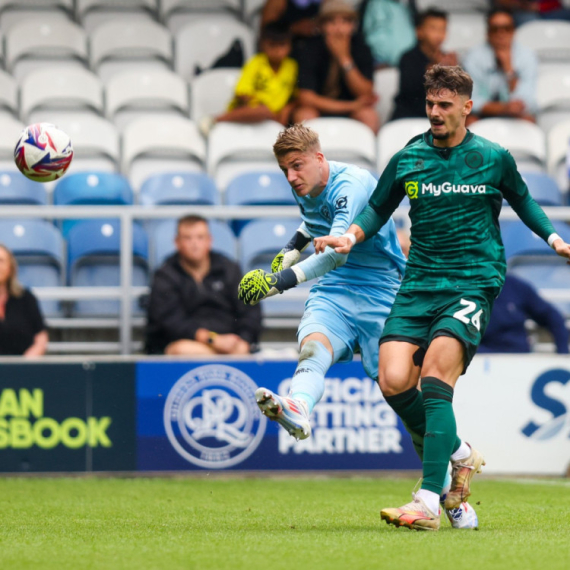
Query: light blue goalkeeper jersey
[378,261]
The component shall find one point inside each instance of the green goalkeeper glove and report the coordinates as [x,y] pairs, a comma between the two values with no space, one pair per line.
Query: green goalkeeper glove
[257,285]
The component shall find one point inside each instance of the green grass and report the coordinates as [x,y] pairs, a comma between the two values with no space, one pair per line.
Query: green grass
[271,524]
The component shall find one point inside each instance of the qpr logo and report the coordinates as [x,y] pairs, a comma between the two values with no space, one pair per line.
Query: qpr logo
[211,417]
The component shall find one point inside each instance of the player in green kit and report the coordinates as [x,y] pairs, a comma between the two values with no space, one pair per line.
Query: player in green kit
[456,182]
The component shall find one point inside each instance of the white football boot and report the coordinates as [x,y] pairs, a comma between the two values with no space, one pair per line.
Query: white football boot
[292,414]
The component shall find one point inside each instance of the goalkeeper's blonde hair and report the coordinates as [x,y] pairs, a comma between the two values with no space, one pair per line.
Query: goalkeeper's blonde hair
[297,138]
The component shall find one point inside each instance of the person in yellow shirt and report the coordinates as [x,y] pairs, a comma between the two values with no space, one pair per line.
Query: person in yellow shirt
[267,84]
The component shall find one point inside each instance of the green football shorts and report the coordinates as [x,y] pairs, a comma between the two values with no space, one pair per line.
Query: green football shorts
[418,317]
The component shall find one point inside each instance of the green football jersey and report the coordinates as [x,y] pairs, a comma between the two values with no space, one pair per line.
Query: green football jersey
[455,197]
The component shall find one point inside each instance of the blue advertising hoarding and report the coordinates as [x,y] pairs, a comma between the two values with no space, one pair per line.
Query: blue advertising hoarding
[203,416]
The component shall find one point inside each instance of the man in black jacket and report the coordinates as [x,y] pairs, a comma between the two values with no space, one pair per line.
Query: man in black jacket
[193,306]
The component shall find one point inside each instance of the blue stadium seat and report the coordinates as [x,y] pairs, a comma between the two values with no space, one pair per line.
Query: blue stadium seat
[259,242]
[521,241]
[179,188]
[94,249]
[39,249]
[530,258]
[258,189]
[162,240]
[93,189]
[543,188]
[17,189]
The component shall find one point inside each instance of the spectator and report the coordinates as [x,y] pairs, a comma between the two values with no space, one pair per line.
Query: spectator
[528,10]
[335,73]
[22,329]
[266,85]
[193,307]
[300,16]
[388,30]
[431,27]
[517,303]
[504,73]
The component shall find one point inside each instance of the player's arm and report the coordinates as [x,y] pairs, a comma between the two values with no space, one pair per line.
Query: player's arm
[517,195]
[291,253]
[385,199]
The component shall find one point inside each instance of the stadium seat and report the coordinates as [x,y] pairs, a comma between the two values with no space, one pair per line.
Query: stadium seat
[530,258]
[258,189]
[39,250]
[464,31]
[543,188]
[93,13]
[162,240]
[200,43]
[17,189]
[395,135]
[454,5]
[120,46]
[211,92]
[252,10]
[36,42]
[177,13]
[525,140]
[153,145]
[9,135]
[346,140]
[95,140]
[558,143]
[93,254]
[235,148]
[386,84]
[550,39]
[60,88]
[8,94]
[553,96]
[259,242]
[171,188]
[14,11]
[135,94]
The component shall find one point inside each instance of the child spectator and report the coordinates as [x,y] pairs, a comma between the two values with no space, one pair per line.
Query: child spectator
[431,28]
[267,83]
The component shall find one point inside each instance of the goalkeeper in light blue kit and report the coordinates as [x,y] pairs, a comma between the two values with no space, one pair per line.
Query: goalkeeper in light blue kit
[348,306]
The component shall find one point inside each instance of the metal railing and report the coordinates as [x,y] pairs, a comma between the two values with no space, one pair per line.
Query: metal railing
[127,214]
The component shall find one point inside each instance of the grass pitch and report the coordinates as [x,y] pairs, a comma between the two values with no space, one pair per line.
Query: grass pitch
[271,524]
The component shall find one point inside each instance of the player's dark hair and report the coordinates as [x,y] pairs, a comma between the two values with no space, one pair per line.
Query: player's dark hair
[494,11]
[421,17]
[190,220]
[451,77]
[275,32]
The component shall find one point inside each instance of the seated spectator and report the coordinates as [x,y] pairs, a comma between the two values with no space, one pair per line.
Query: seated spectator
[431,27]
[335,73]
[504,73]
[517,303]
[300,16]
[193,307]
[389,31]
[528,10]
[266,85]
[22,329]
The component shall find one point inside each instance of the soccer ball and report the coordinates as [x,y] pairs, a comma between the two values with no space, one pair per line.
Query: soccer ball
[43,152]
[463,516]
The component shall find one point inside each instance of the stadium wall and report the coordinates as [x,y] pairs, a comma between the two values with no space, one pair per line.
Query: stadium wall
[145,415]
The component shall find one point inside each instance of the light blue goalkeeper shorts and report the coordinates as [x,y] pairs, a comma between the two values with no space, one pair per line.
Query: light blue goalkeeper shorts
[352,318]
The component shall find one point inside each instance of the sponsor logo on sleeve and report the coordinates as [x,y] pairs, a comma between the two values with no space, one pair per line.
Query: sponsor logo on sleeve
[341,204]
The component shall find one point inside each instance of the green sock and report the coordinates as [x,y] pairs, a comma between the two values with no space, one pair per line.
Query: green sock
[409,406]
[440,434]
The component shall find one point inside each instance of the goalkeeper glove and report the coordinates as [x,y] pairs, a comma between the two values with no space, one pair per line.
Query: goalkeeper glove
[291,253]
[257,285]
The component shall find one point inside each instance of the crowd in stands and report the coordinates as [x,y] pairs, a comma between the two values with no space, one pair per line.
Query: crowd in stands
[315,58]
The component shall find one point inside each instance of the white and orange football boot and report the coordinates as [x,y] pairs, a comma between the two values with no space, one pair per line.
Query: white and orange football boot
[462,471]
[289,413]
[414,515]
